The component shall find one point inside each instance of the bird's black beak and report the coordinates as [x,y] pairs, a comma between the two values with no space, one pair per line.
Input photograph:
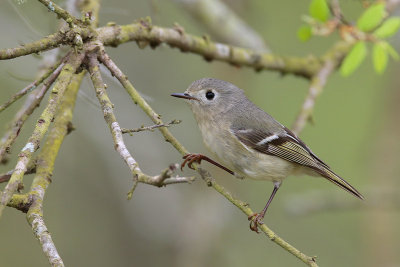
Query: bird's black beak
[184,95]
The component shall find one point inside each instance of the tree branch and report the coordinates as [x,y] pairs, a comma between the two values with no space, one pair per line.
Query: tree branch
[107,107]
[48,42]
[35,98]
[45,167]
[41,127]
[310,261]
[144,33]
[54,69]
[20,202]
[5,177]
[60,12]
[149,128]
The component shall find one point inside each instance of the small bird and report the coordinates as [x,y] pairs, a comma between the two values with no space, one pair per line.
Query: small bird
[249,141]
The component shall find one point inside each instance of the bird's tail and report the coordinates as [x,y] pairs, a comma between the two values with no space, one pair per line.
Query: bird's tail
[339,181]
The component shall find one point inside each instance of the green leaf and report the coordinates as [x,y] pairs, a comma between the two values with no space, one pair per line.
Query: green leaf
[353,59]
[388,28]
[379,57]
[304,33]
[392,51]
[319,10]
[371,17]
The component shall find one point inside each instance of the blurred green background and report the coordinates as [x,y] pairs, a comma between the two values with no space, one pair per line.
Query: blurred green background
[356,131]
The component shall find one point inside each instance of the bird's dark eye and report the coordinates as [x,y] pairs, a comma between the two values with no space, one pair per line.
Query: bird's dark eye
[210,95]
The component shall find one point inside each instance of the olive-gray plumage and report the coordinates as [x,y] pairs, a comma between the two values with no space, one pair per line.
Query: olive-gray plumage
[248,139]
[234,128]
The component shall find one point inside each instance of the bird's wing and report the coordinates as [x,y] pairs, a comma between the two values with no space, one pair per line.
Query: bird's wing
[286,145]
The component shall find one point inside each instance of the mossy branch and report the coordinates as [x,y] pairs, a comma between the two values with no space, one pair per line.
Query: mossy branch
[32,102]
[54,69]
[44,170]
[49,42]
[119,144]
[51,6]
[146,34]
[41,127]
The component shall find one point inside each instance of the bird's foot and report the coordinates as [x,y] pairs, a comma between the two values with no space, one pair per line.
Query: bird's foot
[255,221]
[197,158]
[190,158]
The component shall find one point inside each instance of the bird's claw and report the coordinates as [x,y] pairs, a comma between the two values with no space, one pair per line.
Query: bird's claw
[255,221]
[189,159]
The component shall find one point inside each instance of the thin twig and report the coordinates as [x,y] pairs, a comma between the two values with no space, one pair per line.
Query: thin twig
[60,12]
[5,177]
[35,98]
[316,86]
[107,107]
[163,179]
[150,128]
[41,127]
[331,60]
[54,69]
[137,98]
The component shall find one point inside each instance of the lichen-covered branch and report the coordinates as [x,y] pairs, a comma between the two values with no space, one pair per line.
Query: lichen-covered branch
[310,261]
[90,7]
[145,33]
[107,107]
[163,179]
[44,170]
[20,202]
[138,99]
[51,41]
[5,177]
[54,69]
[150,128]
[60,12]
[231,29]
[33,202]
[23,114]
[41,127]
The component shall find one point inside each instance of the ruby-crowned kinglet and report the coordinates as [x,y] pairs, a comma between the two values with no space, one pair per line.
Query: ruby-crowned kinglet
[250,141]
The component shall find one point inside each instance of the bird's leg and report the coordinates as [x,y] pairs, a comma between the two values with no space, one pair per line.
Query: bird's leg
[190,158]
[255,219]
